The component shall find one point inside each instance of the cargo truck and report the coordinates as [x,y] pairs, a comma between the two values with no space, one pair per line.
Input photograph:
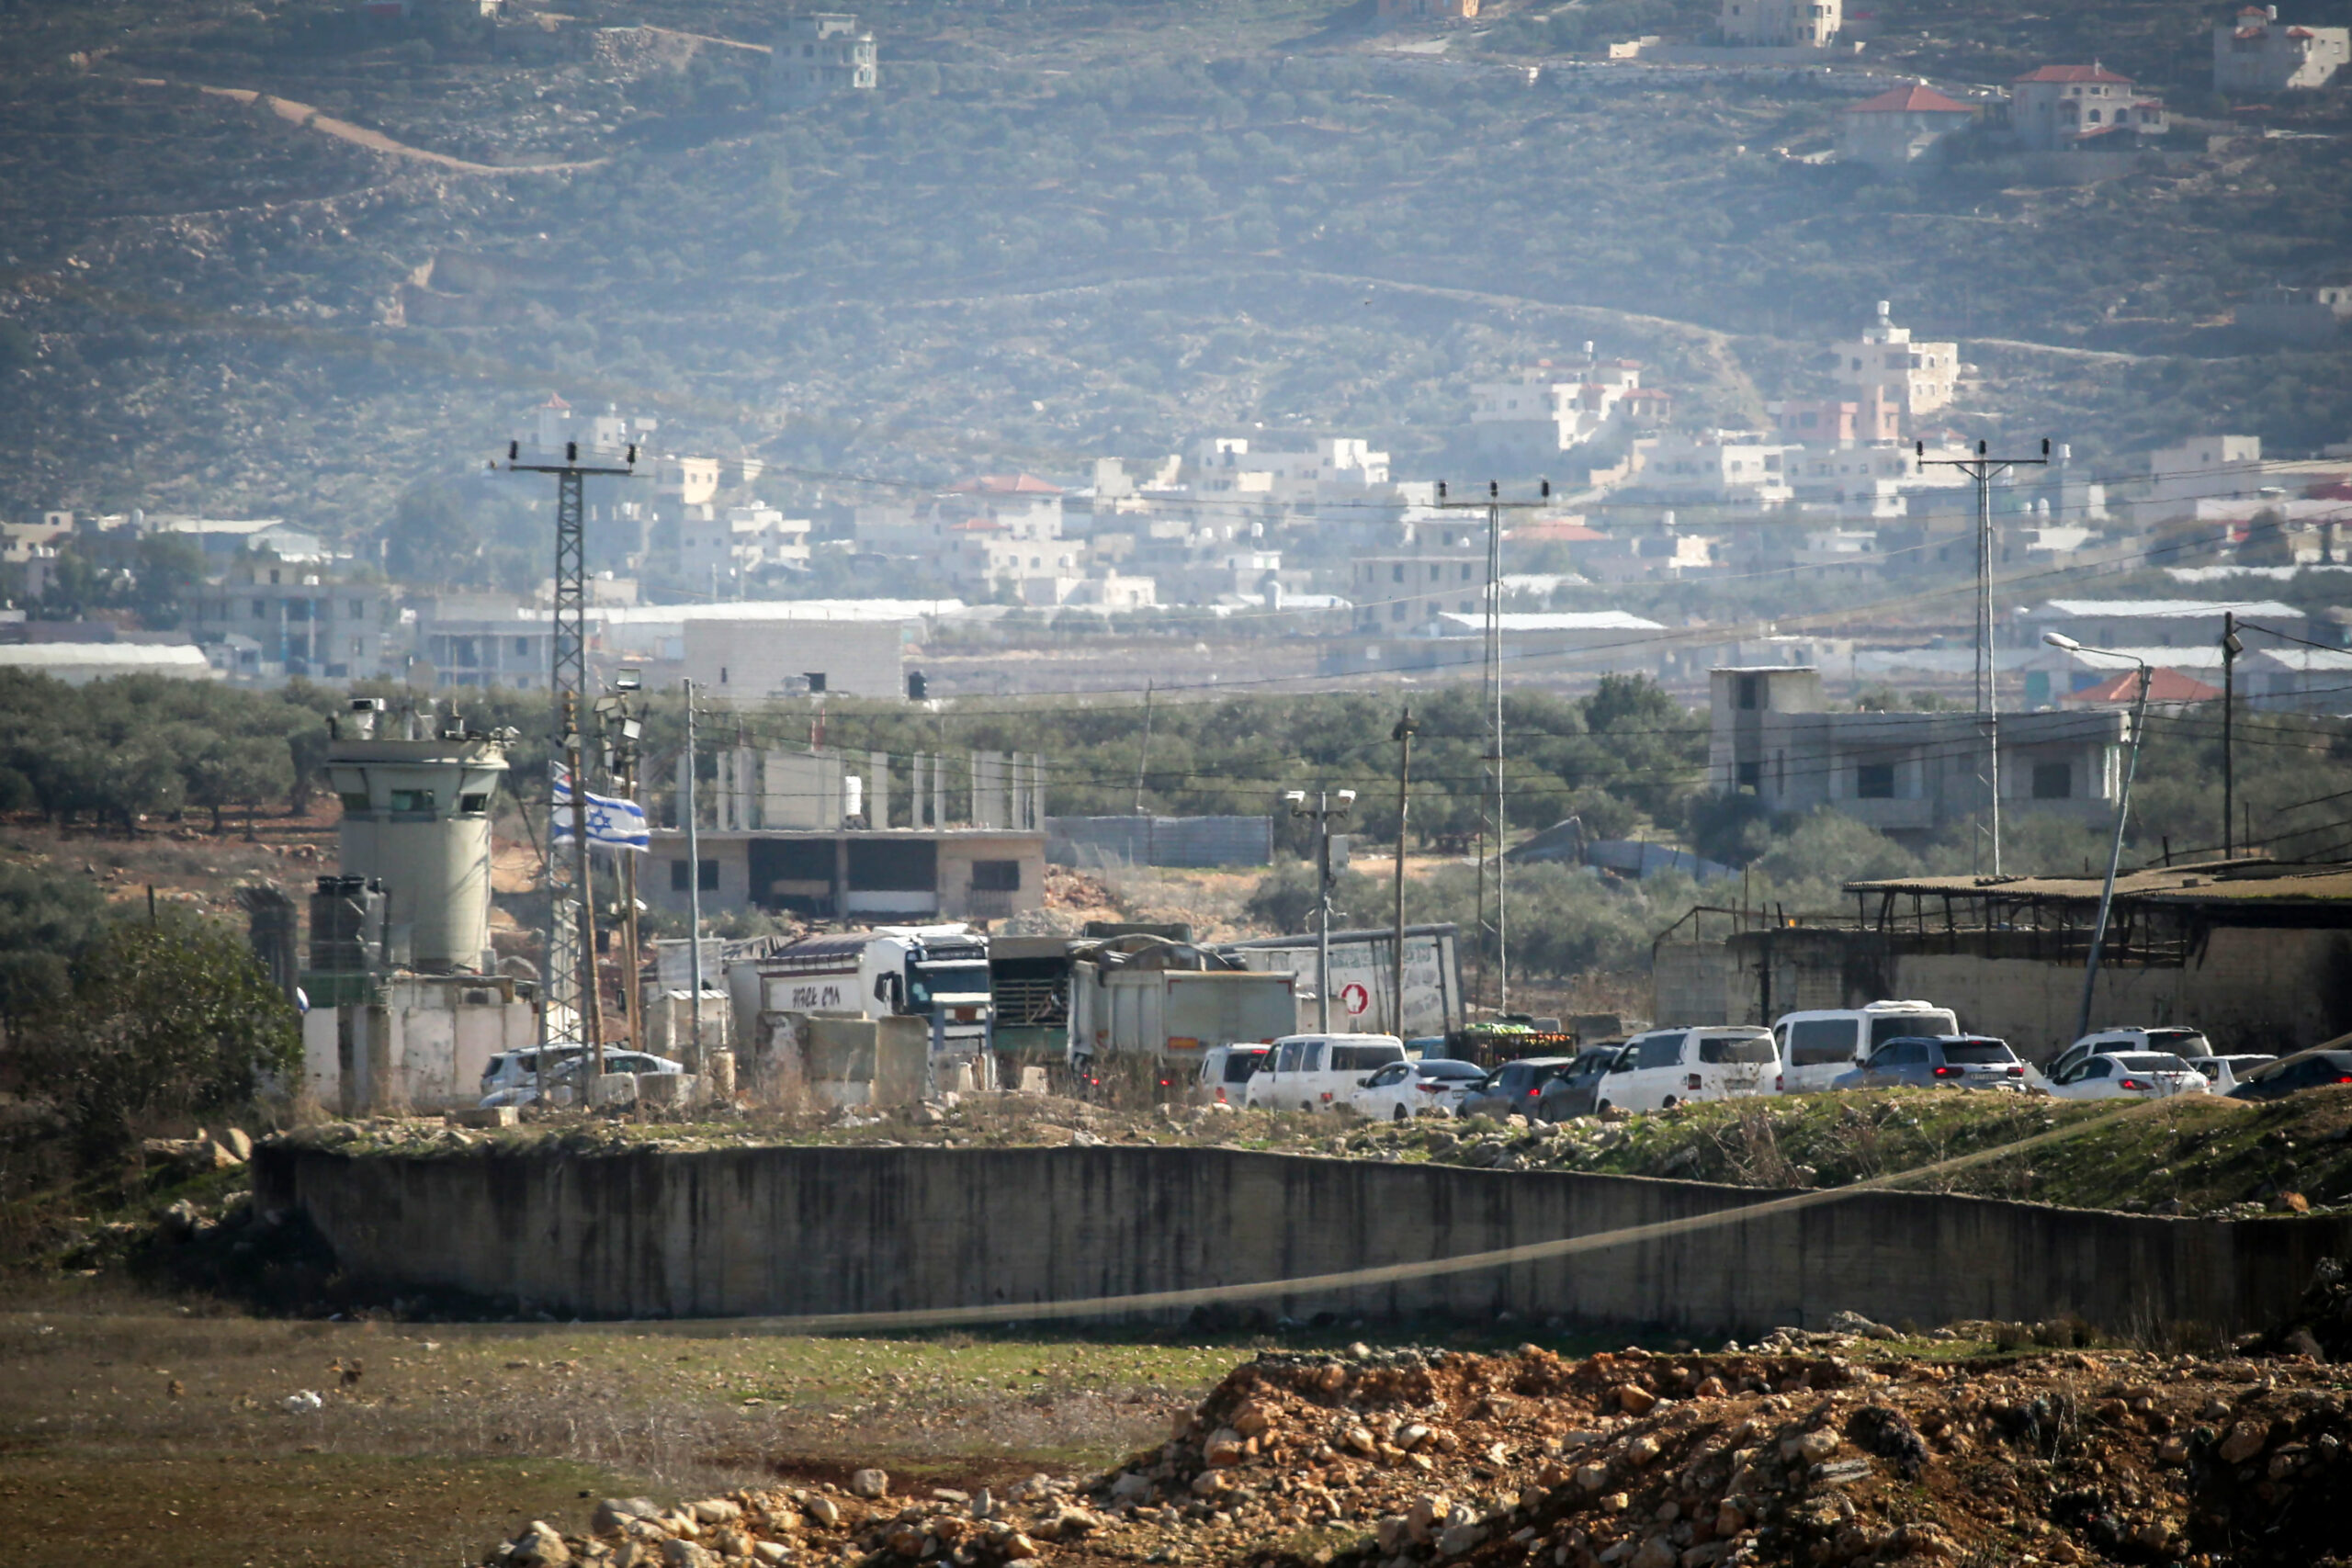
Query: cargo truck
[1147,1009]
[936,973]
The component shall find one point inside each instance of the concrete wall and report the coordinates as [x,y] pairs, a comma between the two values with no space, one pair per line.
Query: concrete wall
[752,1232]
[2250,990]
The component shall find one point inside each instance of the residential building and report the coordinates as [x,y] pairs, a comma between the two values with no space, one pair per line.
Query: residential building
[817,55]
[1781,24]
[1441,568]
[829,834]
[484,639]
[2058,108]
[1543,409]
[739,541]
[2254,54]
[1830,424]
[2203,467]
[1898,129]
[302,622]
[1334,469]
[1426,10]
[1884,365]
[1726,467]
[752,659]
[1909,774]
[2297,315]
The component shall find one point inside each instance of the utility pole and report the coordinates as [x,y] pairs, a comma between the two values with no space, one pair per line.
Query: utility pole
[2232,646]
[1403,736]
[1495,506]
[1143,753]
[622,754]
[591,1012]
[1982,468]
[1323,810]
[694,887]
[568,678]
[2122,812]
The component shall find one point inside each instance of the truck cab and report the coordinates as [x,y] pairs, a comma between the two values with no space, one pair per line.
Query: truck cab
[929,972]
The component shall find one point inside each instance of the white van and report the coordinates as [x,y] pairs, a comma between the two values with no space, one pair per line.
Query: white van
[1319,1072]
[1669,1066]
[1225,1069]
[1818,1046]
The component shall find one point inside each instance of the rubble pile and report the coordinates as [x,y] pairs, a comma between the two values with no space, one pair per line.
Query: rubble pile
[1633,1459]
[860,1524]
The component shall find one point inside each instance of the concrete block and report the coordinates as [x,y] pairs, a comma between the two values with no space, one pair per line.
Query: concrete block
[719,1076]
[1033,1081]
[484,1116]
[668,1090]
[613,1089]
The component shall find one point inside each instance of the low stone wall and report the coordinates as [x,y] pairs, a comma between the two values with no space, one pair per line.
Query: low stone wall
[791,1231]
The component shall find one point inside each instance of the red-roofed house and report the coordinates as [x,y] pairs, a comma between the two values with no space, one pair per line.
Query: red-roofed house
[2060,107]
[1026,505]
[1897,129]
[2252,53]
[2168,691]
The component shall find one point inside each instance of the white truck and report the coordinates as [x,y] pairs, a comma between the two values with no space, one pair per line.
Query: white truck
[938,973]
[1141,1005]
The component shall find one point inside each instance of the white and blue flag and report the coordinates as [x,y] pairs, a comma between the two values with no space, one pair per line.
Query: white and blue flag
[613,823]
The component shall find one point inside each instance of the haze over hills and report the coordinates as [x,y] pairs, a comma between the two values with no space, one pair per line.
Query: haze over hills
[1059,232]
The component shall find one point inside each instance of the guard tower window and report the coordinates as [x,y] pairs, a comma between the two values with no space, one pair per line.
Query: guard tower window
[411,800]
[473,805]
[1747,694]
[1751,776]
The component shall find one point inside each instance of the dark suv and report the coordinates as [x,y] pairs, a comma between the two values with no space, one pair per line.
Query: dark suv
[1574,1092]
[1941,1061]
[1513,1088]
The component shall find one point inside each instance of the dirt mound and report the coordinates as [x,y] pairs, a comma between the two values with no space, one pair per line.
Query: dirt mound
[1686,1461]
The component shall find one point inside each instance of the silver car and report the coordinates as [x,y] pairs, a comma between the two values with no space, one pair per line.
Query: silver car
[1943,1061]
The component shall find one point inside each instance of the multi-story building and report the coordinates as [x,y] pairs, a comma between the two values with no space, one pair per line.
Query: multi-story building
[819,56]
[737,541]
[1917,377]
[2060,107]
[2203,467]
[485,639]
[1728,466]
[301,622]
[1909,774]
[1898,129]
[1334,469]
[1543,410]
[2255,54]
[2297,315]
[1781,24]
[1440,570]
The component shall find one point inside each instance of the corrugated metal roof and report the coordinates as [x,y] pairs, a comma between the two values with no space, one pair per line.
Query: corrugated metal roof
[2236,882]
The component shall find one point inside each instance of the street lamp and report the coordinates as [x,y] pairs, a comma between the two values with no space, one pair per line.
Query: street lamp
[1323,810]
[2122,810]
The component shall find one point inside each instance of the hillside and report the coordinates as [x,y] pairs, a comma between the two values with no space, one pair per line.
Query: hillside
[1052,234]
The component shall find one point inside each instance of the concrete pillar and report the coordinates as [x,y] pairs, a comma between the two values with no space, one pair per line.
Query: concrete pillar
[878,788]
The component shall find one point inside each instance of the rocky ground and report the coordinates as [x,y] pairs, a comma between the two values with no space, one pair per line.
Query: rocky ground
[1806,1449]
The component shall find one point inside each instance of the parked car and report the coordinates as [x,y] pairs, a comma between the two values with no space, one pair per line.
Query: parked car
[2225,1073]
[1957,1061]
[1817,1046]
[2304,1069]
[2125,1075]
[1225,1073]
[1432,1087]
[1575,1092]
[563,1078]
[515,1069]
[2189,1044]
[1514,1088]
[1669,1066]
[1318,1072]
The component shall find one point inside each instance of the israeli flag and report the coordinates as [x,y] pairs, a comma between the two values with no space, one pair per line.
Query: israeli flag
[613,824]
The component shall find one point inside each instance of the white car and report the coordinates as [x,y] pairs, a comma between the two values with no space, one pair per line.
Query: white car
[1225,1073]
[1318,1072]
[1669,1066]
[1818,1046]
[519,1070]
[2128,1074]
[2225,1073]
[2189,1044]
[1432,1087]
[563,1078]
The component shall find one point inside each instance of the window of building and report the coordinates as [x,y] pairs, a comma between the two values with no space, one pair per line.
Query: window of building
[359,610]
[1747,694]
[996,876]
[710,877]
[2054,781]
[522,648]
[261,610]
[1465,571]
[1396,572]
[1751,776]
[411,800]
[1875,781]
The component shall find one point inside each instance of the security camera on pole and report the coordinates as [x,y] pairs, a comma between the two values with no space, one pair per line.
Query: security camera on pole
[1326,808]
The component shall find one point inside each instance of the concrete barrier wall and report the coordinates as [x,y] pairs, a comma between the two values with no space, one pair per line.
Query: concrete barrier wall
[780,1230]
